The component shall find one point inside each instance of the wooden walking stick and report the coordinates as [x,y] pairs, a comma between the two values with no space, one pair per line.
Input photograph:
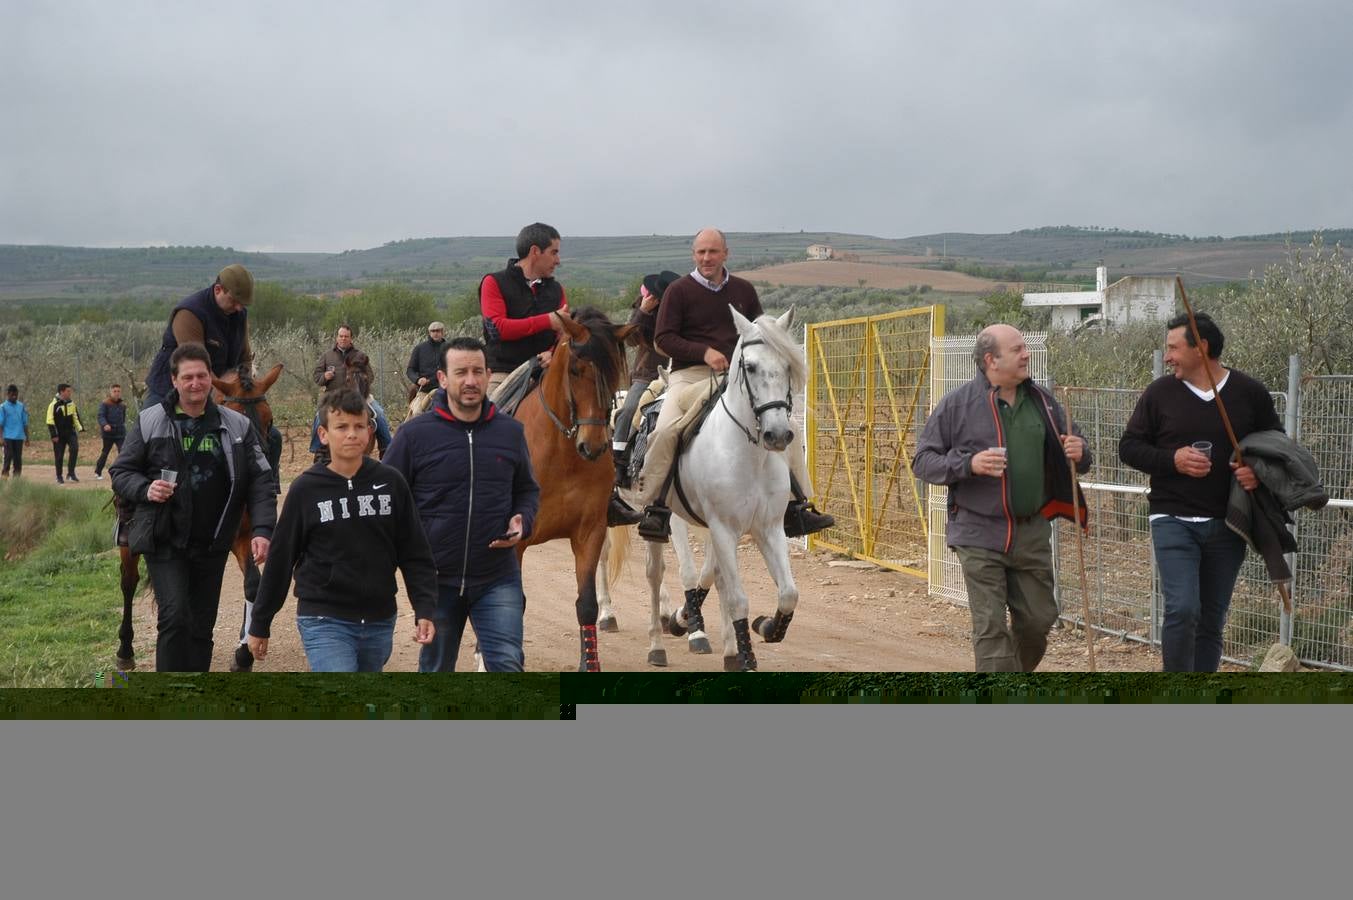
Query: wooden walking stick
[1080,545]
[1283,590]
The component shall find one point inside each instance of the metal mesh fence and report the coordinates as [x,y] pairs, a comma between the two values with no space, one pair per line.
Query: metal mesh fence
[868,390]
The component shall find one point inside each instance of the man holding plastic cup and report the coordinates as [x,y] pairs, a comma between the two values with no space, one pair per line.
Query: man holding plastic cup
[191,468]
[1177,437]
[1000,445]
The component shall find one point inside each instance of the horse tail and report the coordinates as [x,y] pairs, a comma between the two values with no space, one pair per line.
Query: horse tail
[619,555]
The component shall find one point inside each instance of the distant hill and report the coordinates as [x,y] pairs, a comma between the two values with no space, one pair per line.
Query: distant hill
[449,266]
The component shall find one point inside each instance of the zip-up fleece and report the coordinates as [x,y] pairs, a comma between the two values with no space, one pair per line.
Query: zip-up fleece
[468,480]
[155,442]
[342,538]
[967,421]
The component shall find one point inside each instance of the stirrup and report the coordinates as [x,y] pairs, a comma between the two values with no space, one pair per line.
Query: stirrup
[802,518]
[655,524]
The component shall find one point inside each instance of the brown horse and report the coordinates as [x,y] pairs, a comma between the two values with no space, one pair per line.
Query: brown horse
[242,393]
[568,433]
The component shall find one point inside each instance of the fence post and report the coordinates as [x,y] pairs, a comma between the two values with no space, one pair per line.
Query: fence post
[1157,370]
[1293,426]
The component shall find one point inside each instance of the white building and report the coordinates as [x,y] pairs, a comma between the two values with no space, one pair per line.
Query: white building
[820,251]
[1134,298]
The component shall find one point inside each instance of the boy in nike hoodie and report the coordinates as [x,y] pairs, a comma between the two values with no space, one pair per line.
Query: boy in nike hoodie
[344,529]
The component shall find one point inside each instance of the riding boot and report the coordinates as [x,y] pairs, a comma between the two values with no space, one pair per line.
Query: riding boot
[801,517]
[618,512]
[622,467]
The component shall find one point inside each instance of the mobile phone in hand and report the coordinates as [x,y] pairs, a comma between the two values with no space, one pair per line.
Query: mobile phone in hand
[506,536]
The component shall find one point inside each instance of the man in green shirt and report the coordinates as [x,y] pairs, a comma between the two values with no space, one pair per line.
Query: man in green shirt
[1001,446]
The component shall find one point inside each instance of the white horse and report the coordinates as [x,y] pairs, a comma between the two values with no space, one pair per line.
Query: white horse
[616,552]
[733,478]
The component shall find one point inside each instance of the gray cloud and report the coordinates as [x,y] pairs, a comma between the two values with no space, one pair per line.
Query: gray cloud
[343,125]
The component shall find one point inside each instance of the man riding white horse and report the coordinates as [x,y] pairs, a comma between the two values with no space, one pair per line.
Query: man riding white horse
[695,328]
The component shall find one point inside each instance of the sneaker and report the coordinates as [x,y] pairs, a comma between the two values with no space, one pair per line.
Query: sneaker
[98,476]
[59,480]
[71,477]
[618,512]
[802,518]
[655,524]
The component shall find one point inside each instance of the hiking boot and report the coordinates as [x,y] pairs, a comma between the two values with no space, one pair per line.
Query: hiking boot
[802,518]
[618,512]
[655,524]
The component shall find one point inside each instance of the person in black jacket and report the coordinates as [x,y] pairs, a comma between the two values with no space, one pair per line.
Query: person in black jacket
[112,426]
[189,469]
[426,357]
[344,530]
[1176,436]
[63,425]
[470,473]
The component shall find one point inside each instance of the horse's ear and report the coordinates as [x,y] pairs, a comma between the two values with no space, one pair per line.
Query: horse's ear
[623,332]
[222,386]
[786,321]
[745,326]
[576,331]
[266,381]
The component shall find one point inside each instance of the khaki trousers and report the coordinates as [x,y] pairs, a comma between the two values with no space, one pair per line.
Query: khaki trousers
[1019,581]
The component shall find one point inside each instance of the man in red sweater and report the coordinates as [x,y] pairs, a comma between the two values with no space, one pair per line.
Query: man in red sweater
[523,307]
[696,330]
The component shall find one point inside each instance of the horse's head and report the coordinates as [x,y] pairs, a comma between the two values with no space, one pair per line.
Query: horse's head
[591,363]
[767,368]
[240,391]
[358,374]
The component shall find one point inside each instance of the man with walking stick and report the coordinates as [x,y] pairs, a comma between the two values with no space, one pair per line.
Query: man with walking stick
[1178,434]
[1000,444]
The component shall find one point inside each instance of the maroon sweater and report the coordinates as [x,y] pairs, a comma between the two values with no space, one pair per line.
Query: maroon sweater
[693,318]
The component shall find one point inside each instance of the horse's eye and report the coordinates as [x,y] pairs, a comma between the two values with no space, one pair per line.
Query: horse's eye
[751,367]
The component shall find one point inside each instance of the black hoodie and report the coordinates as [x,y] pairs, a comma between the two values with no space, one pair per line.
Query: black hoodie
[342,538]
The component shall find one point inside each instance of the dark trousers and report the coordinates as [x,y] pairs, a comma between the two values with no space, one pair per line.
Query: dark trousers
[187,593]
[1198,564]
[14,454]
[109,442]
[62,442]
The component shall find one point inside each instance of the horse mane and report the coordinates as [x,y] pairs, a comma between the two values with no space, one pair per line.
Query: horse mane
[779,340]
[601,349]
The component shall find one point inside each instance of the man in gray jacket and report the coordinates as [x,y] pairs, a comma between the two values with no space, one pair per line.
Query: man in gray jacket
[1000,444]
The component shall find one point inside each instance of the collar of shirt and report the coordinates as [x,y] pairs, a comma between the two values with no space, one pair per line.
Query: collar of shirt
[695,273]
[1208,395]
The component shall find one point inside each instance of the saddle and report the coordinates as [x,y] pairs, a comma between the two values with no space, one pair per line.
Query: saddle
[687,428]
[517,386]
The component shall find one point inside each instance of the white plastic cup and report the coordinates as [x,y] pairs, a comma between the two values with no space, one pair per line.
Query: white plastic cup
[169,475]
[1001,451]
[1203,447]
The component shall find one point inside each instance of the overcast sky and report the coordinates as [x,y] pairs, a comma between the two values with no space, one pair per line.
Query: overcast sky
[338,125]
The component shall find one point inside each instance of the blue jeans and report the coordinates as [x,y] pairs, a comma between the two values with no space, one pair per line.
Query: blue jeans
[1198,563]
[495,610]
[342,645]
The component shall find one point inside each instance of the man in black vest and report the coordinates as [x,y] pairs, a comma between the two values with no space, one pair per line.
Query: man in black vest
[523,306]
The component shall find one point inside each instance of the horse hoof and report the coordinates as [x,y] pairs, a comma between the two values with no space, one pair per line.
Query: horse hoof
[756,626]
[700,645]
[675,628]
[731,664]
[125,665]
[607,624]
[657,658]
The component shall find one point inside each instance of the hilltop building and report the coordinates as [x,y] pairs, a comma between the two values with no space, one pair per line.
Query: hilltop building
[820,251]
[1134,298]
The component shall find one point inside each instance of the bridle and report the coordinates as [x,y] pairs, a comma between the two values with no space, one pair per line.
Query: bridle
[571,430]
[249,411]
[786,404]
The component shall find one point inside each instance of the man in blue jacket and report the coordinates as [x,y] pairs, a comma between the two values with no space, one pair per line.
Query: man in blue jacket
[470,473]
[112,426]
[14,427]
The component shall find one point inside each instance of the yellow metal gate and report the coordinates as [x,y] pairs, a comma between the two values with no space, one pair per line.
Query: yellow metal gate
[867,397]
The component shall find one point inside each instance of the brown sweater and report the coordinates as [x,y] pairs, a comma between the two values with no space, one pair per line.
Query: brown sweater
[693,318]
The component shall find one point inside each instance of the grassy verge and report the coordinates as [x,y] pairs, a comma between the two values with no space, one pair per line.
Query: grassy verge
[59,597]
